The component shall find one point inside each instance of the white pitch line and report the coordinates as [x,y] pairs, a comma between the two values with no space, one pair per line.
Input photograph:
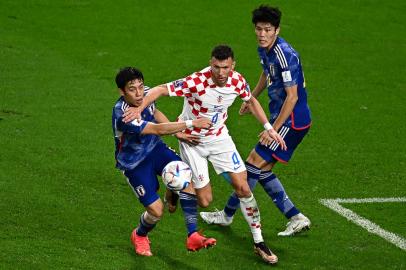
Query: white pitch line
[371,227]
[371,200]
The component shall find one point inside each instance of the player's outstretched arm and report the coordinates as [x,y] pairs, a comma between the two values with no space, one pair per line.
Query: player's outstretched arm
[132,113]
[270,133]
[174,127]
[287,107]
[181,136]
[261,84]
[257,110]
[160,117]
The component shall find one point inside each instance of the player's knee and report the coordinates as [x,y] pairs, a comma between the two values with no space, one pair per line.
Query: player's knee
[243,191]
[157,210]
[205,201]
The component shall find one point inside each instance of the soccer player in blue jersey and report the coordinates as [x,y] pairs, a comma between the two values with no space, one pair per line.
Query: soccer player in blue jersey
[141,155]
[282,75]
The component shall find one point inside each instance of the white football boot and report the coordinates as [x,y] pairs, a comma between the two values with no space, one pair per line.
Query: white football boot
[216,217]
[296,224]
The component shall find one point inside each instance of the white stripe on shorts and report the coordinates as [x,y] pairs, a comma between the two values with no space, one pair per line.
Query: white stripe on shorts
[284,130]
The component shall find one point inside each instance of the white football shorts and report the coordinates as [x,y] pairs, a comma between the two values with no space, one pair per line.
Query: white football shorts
[222,154]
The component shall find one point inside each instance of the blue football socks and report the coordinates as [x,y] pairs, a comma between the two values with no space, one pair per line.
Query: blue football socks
[275,190]
[144,227]
[188,203]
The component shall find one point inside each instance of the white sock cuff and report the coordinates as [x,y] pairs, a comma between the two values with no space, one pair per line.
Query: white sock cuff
[151,219]
[247,200]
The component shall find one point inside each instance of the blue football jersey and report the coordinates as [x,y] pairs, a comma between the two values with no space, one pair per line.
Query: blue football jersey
[131,146]
[282,67]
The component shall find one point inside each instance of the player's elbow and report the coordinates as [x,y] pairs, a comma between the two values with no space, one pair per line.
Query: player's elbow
[292,99]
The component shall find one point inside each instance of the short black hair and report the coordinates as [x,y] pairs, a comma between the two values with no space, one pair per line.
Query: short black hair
[127,74]
[222,52]
[267,14]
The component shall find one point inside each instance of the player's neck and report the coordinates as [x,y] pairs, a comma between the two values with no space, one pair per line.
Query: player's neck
[220,84]
[272,44]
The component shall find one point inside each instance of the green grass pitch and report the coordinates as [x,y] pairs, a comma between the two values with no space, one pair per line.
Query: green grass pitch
[63,205]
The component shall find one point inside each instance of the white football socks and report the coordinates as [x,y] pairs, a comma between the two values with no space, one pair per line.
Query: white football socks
[250,210]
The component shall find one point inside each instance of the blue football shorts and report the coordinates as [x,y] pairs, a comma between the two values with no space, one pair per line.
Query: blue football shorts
[274,153]
[143,178]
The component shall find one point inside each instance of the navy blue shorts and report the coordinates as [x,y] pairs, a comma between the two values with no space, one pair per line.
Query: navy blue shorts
[273,152]
[143,178]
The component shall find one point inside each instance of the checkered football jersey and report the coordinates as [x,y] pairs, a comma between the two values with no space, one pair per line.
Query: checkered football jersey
[204,99]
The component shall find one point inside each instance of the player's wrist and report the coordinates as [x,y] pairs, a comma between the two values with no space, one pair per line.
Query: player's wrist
[189,123]
[268,126]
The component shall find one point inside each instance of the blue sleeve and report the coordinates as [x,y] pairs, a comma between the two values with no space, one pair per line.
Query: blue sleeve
[292,73]
[135,127]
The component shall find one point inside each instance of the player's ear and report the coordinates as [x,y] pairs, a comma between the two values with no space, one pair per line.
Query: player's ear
[277,31]
[233,65]
[121,91]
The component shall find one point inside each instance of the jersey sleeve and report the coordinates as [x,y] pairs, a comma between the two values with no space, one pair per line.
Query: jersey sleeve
[292,71]
[245,93]
[134,127]
[241,86]
[179,88]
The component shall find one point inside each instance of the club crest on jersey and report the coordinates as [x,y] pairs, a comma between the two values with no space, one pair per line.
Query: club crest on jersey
[219,99]
[272,70]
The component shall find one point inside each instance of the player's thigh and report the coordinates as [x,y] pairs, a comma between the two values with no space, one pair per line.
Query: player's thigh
[194,156]
[162,156]
[255,159]
[230,162]
[143,181]
[274,152]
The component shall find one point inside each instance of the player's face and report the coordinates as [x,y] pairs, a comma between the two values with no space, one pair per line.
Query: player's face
[220,70]
[266,34]
[133,92]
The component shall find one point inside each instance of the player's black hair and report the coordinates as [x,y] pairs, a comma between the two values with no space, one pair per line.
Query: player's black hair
[127,74]
[267,14]
[222,52]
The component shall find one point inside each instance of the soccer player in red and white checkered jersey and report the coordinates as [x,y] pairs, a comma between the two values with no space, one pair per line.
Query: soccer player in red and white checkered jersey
[209,93]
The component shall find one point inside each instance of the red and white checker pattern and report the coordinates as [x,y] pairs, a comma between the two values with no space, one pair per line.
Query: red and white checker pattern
[205,99]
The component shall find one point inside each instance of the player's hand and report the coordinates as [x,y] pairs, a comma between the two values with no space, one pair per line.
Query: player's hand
[268,136]
[277,137]
[244,108]
[202,123]
[188,138]
[130,114]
